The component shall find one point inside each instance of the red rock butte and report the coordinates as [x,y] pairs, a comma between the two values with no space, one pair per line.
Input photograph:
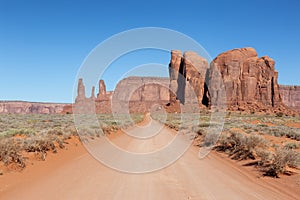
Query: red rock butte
[248,82]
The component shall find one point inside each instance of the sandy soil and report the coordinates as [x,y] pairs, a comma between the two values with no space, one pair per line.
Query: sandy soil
[75,174]
[259,122]
[294,124]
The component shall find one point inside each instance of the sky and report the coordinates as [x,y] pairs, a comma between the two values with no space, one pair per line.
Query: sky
[43,44]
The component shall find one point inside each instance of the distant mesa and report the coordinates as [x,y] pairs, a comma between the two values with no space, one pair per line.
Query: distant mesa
[249,82]
[23,107]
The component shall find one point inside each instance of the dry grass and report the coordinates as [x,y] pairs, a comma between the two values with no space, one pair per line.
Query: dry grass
[280,160]
[10,152]
[245,136]
[240,146]
[40,134]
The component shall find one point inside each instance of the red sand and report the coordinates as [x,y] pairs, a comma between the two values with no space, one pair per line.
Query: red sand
[75,174]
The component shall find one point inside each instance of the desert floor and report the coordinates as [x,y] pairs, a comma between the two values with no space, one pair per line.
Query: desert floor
[75,174]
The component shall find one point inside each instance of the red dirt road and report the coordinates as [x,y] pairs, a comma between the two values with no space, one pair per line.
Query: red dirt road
[75,174]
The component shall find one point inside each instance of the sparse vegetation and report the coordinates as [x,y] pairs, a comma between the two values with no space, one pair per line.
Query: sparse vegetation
[281,159]
[249,136]
[40,134]
[240,146]
[173,121]
[243,136]
[292,145]
[10,152]
[279,114]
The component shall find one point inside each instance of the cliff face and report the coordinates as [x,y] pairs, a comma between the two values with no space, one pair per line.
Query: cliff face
[290,96]
[22,107]
[142,89]
[187,77]
[140,94]
[237,78]
[250,82]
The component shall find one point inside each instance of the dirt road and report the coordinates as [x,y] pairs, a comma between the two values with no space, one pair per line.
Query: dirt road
[75,174]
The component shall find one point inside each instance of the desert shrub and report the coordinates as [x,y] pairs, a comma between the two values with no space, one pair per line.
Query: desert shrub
[229,142]
[108,129]
[262,125]
[280,131]
[282,158]
[39,144]
[240,146]
[292,145]
[228,114]
[10,152]
[68,132]
[266,157]
[279,114]
[173,126]
[253,142]
[246,147]
[204,125]
[56,131]
[293,134]
[42,133]
[16,131]
[210,139]
[223,144]
[201,131]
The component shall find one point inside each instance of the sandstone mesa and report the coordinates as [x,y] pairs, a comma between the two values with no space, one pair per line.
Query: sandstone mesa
[237,78]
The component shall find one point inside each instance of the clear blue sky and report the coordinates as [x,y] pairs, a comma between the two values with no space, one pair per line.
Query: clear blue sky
[43,43]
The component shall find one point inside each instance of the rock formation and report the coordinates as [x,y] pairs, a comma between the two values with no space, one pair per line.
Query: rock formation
[139,94]
[23,107]
[80,91]
[237,78]
[187,77]
[93,94]
[174,66]
[142,89]
[134,94]
[250,82]
[102,91]
[195,68]
[290,96]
